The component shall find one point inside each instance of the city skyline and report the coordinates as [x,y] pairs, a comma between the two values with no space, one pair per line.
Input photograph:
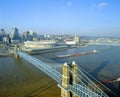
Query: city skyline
[82,17]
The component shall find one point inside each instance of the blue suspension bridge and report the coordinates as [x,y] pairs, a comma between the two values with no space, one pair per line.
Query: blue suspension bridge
[71,79]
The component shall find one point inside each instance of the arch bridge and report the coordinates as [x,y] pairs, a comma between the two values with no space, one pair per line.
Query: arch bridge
[104,41]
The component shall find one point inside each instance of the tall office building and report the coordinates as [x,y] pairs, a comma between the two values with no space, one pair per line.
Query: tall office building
[77,39]
[33,33]
[2,34]
[14,34]
[30,35]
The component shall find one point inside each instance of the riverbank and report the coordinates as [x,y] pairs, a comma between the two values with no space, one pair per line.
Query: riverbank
[4,53]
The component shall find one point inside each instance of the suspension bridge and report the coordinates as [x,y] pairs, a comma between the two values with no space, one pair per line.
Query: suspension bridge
[71,79]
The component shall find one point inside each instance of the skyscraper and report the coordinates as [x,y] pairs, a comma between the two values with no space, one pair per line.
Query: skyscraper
[30,35]
[14,33]
[77,39]
[2,34]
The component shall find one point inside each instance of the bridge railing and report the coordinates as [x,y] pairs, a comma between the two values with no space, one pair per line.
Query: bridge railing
[89,86]
[82,91]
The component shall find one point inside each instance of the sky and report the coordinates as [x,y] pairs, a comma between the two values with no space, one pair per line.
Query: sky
[80,17]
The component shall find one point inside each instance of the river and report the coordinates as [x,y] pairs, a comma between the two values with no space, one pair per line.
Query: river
[18,78]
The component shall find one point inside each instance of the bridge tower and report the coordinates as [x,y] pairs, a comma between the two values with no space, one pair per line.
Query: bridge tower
[74,70]
[68,79]
[65,80]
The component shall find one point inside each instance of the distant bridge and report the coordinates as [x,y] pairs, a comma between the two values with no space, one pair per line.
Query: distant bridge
[71,79]
[106,41]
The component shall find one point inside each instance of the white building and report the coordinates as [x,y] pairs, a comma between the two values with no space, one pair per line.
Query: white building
[39,44]
[71,42]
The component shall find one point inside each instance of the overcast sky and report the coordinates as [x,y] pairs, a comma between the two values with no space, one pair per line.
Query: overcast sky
[83,17]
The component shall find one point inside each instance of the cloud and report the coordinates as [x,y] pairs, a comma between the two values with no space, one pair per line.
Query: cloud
[69,3]
[102,5]
[66,5]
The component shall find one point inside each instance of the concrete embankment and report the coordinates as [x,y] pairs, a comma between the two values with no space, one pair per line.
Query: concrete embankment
[4,53]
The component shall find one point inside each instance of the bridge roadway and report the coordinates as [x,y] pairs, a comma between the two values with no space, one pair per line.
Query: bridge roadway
[84,86]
